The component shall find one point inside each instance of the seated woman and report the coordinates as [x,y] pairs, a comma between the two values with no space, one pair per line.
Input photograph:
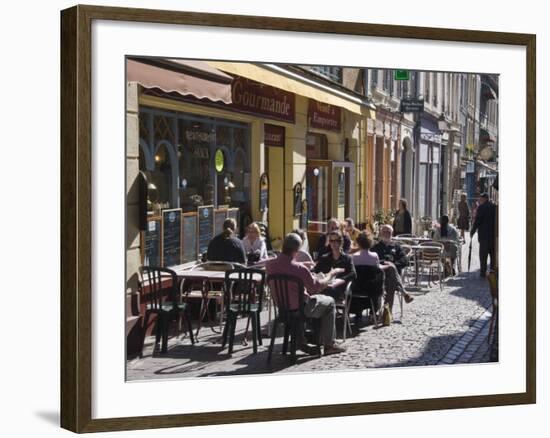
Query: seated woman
[336,258]
[447,232]
[254,244]
[370,277]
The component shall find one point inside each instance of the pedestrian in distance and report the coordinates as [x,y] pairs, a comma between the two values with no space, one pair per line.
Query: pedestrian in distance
[402,222]
[463,222]
[484,225]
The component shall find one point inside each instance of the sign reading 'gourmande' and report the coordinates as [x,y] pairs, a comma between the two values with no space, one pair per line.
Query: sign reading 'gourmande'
[253,97]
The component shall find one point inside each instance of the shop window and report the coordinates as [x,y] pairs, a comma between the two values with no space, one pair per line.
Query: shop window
[332,73]
[316,147]
[159,189]
[201,183]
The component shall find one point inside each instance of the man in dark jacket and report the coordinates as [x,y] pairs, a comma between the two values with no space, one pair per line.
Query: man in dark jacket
[484,224]
[225,247]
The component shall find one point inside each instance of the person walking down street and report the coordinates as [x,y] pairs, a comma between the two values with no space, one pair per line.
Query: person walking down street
[463,221]
[392,261]
[336,258]
[323,246]
[402,223]
[484,225]
[226,247]
[316,304]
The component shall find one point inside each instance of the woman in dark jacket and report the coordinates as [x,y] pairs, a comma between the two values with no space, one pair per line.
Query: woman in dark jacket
[336,258]
[402,223]
[463,222]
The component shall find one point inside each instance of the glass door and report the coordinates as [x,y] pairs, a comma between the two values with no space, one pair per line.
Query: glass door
[343,198]
[318,195]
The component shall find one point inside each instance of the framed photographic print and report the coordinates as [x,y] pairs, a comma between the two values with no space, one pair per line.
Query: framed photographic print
[414,149]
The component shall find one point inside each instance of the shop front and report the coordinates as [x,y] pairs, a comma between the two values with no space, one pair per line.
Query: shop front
[429,183]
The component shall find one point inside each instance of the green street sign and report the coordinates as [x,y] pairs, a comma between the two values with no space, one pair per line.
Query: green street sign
[401,75]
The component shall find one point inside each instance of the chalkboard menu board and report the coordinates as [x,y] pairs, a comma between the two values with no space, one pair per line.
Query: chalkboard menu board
[206,227]
[219,218]
[171,237]
[189,237]
[152,242]
[234,213]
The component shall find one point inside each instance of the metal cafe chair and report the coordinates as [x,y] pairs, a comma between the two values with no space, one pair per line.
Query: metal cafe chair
[159,290]
[493,322]
[342,309]
[368,286]
[208,291]
[430,257]
[244,294]
[293,319]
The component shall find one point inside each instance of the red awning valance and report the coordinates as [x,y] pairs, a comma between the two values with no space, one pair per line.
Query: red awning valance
[187,78]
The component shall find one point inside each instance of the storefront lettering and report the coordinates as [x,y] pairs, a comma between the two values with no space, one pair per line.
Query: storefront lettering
[261,99]
[324,116]
[274,135]
[200,136]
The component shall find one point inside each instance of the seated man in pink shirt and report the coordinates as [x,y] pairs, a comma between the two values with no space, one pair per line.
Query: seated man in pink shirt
[316,304]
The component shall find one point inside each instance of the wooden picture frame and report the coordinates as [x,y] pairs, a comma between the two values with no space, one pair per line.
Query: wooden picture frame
[76,218]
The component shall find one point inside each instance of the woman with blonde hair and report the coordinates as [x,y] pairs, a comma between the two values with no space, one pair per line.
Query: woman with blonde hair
[254,244]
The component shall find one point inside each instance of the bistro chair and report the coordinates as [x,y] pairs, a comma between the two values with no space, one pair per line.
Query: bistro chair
[159,290]
[430,257]
[365,289]
[451,248]
[342,310]
[244,294]
[493,322]
[208,290]
[282,287]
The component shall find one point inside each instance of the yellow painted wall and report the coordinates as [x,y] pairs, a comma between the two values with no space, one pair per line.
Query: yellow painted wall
[276,195]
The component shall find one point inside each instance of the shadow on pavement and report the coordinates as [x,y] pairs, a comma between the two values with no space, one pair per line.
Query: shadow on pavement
[435,350]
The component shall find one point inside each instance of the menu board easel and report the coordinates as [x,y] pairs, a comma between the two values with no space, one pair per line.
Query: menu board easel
[151,253]
[220,215]
[205,227]
[190,223]
[171,237]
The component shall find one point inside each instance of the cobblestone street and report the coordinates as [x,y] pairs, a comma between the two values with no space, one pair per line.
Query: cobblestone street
[438,327]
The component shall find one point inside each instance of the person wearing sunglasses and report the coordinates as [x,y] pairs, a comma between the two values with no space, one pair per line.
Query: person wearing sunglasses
[336,258]
[323,247]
